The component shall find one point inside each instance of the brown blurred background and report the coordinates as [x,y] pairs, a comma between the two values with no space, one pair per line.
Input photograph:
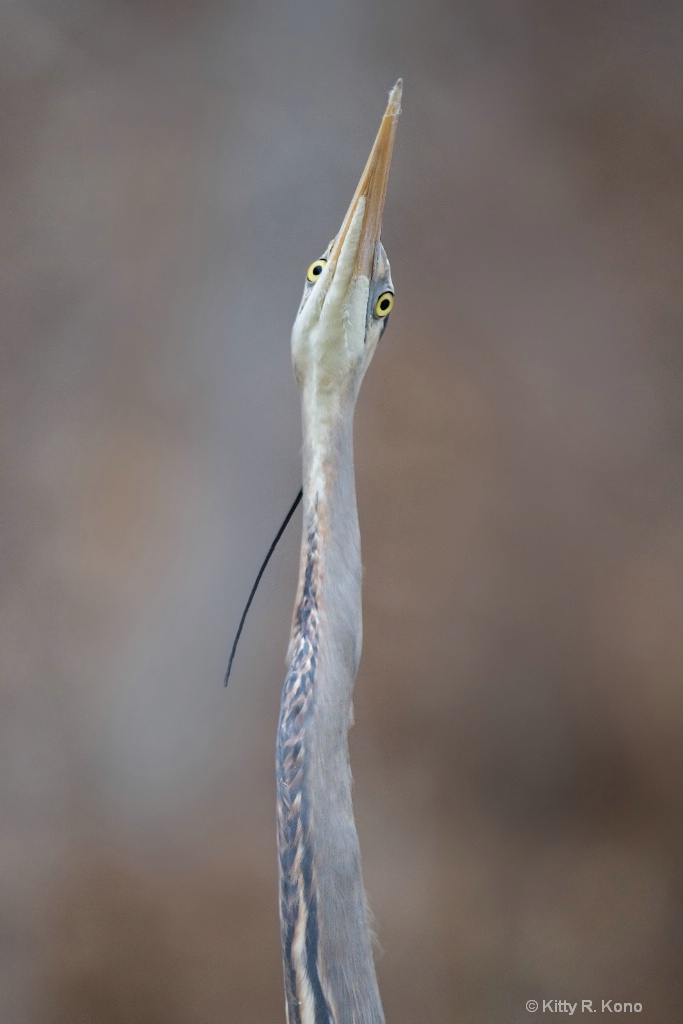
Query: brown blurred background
[168,171]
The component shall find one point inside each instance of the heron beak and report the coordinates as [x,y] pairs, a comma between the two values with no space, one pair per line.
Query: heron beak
[373,188]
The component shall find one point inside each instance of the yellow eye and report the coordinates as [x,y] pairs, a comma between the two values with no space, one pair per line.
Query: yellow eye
[315,270]
[384,304]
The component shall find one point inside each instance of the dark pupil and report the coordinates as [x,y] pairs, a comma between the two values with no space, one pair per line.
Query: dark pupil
[317,269]
[384,304]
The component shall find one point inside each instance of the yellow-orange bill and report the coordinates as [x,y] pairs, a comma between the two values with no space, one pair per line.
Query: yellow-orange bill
[373,187]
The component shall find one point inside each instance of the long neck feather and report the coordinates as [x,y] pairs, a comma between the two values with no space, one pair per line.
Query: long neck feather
[327,948]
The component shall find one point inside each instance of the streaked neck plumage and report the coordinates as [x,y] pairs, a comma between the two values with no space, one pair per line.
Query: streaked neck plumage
[326,939]
[329,971]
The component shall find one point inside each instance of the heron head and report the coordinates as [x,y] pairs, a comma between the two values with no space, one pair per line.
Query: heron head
[349,293]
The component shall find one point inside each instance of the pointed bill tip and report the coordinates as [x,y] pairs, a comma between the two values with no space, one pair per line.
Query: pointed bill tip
[394,105]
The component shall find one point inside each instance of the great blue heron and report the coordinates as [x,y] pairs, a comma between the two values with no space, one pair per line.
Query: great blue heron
[326,941]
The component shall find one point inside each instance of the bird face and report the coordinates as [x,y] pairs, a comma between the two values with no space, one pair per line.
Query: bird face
[349,293]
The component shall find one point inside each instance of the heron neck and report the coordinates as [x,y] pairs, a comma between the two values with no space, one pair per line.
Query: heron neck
[327,949]
[330,512]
